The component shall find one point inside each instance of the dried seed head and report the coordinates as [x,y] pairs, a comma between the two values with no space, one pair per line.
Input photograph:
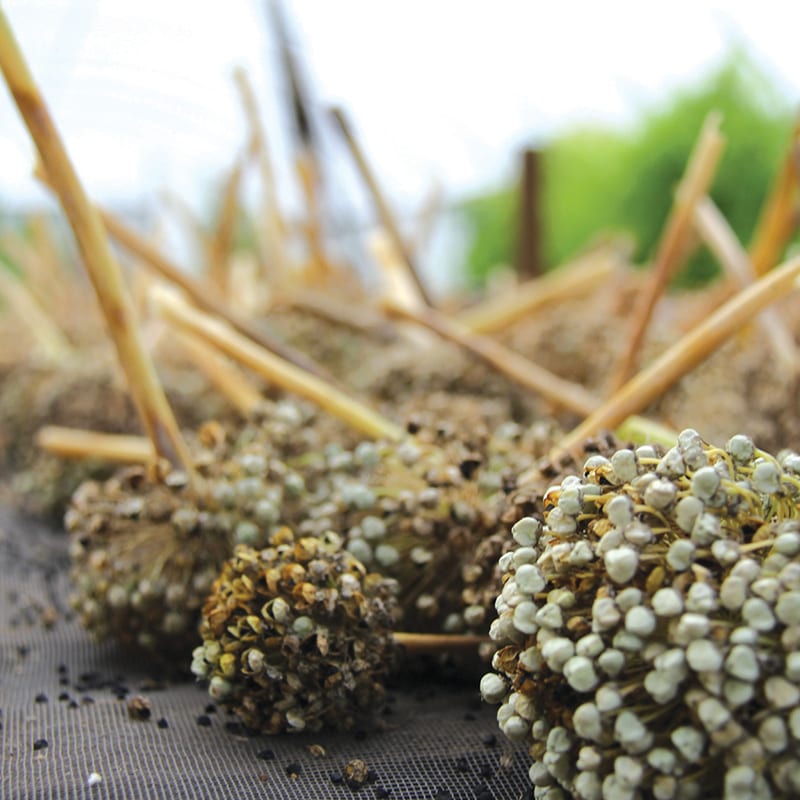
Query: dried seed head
[675,667]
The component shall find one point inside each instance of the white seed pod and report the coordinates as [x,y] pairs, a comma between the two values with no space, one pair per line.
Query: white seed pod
[493,688]
[581,554]
[701,598]
[627,642]
[667,602]
[621,564]
[628,728]
[646,452]
[539,775]
[780,693]
[680,555]
[687,511]
[531,659]
[524,555]
[638,534]
[660,494]
[794,723]
[605,614]
[712,714]
[672,464]
[640,621]
[788,543]
[773,734]
[629,771]
[550,616]
[740,448]
[611,661]
[526,531]
[662,759]
[619,510]
[587,722]
[560,523]
[737,693]
[580,674]
[623,462]
[689,742]
[742,663]
[588,786]
[529,579]
[748,569]
[792,669]
[766,477]
[609,540]
[515,728]
[559,740]
[706,529]
[702,655]
[705,483]
[525,617]
[665,787]
[590,645]
[607,698]
[743,635]
[662,686]
[787,609]
[557,651]
[733,592]
[589,758]
[757,613]
[725,551]
[570,500]
[691,626]
[629,598]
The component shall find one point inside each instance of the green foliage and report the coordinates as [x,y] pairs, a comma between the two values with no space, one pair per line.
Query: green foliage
[598,179]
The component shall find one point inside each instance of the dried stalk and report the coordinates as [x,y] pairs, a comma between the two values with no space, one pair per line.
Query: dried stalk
[77,444]
[651,382]
[221,243]
[379,201]
[157,418]
[779,214]
[272,368]
[578,277]
[557,390]
[696,180]
[722,242]
[225,378]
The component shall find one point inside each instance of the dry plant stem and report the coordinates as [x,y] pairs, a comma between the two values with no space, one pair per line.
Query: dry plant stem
[561,392]
[78,444]
[571,280]
[779,214]
[437,642]
[274,369]
[651,382]
[51,340]
[382,207]
[228,380]
[157,418]
[722,242]
[318,268]
[41,271]
[220,246]
[696,180]
[204,298]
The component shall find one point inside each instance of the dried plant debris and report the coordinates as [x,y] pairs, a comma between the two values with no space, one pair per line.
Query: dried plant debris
[297,636]
[649,631]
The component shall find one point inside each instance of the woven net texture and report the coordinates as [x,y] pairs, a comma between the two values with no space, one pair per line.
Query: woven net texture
[66,731]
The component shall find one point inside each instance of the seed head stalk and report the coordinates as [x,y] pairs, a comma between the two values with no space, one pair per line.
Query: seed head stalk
[154,410]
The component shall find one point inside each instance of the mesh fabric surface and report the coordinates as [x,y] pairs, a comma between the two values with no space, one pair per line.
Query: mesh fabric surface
[59,686]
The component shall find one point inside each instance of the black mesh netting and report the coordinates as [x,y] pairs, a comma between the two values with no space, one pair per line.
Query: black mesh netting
[63,712]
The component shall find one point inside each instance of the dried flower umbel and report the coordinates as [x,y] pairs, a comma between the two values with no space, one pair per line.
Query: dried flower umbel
[650,630]
[297,636]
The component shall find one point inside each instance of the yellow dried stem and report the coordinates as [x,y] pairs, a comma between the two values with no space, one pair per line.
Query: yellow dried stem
[560,392]
[221,243]
[273,368]
[228,380]
[779,214]
[200,295]
[574,279]
[50,339]
[651,382]
[78,444]
[157,418]
[672,248]
[317,269]
[722,241]
[438,642]
[378,200]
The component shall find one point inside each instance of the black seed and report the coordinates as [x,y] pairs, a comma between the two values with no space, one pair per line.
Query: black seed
[482,792]
[293,769]
[235,728]
[461,764]
[211,709]
[62,668]
[64,696]
[468,466]
[87,699]
[72,704]
[204,721]
[40,744]
[337,778]
[412,426]
[40,698]
[63,681]
[490,740]
[442,794]
[162,723]
[381,793]
[266,755]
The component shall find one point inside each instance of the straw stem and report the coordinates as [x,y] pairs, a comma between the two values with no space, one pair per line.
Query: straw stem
[699,173]
[79,444]
[438,642]
[157,418]
[273,368]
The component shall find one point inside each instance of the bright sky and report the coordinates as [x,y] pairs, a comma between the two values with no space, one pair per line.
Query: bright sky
[438,89]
